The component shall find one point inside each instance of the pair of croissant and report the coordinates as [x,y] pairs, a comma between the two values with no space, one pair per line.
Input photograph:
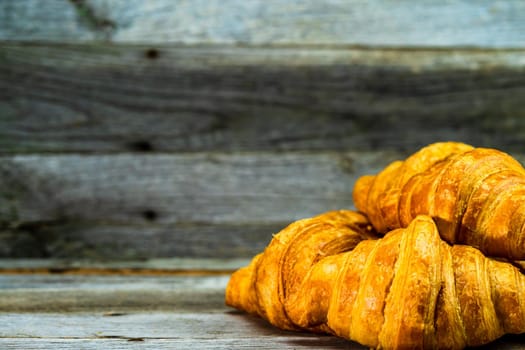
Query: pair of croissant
[427,283]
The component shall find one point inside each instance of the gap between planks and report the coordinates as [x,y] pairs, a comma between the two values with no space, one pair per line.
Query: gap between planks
[150,267]
[113,271]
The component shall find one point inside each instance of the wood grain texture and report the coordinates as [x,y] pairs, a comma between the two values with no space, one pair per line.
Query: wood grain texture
[90,239]
[103,98]
[130,206]
[100,294]
[213,188]
[188,266]
[481,23]
[225,330]
[290,342]
[275,341]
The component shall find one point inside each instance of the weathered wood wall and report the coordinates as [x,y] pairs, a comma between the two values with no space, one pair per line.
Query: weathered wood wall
[132,129]
[483,23]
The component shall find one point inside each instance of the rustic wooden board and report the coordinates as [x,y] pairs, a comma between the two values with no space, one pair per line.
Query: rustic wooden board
[152,266]
[481,23]
[217,188]
[111,293]
[288,341]
[161,205]
[228,330]
[105,98]
[68,238]
[174,312]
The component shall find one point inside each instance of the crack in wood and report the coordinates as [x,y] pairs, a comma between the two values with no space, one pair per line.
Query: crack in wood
[102,26]
[123,337]
[90,271]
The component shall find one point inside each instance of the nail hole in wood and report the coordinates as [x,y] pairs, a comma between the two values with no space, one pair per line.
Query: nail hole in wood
[149,215]
[113,313]
[141,146]
[152,54]
[135,339]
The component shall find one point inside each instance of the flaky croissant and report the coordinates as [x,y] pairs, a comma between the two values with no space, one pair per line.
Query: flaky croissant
[263,287]
[407,290]
[475,195]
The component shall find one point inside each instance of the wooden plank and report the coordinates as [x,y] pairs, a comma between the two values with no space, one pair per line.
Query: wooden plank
[227,330]
[141,267]
[228,324]
[481,23]
[160,205]
[285,343]
[101,98]
[213,188]
[58,20]
[120,294]
[95,239]
[288,342]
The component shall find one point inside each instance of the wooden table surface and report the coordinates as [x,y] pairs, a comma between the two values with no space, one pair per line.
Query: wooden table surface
[119,307]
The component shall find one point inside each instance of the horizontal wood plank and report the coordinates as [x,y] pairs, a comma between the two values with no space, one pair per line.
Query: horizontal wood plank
[133,98]
[227,330]
[91,239]
[108,294]
[213,188]
[180,266]
[481,23]
[130,206]
[288,341]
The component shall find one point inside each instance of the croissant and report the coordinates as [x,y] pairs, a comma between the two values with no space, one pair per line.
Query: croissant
[273,276]
[475,195]
[407,290]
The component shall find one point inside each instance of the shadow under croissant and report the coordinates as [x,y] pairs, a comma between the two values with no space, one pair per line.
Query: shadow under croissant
[296,339]
[325,341]
[506,342]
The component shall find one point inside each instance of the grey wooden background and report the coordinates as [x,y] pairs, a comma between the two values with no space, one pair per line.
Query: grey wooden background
[156,129]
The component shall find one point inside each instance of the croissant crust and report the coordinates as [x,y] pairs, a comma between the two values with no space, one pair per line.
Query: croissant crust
[476,196]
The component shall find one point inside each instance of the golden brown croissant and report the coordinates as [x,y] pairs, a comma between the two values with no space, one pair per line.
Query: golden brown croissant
[475,195]
[407,290]
[263,287]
